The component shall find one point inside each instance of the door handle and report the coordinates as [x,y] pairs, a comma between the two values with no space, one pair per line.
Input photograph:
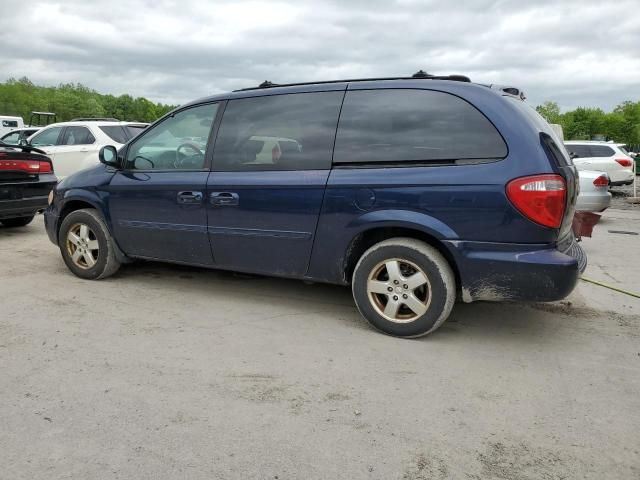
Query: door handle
[224,199]
[189,198]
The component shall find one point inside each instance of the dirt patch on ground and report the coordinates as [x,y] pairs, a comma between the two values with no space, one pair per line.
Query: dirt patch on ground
[426,467]
[509,462]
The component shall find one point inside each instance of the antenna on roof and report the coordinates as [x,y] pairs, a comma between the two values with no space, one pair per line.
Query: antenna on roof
[266,84]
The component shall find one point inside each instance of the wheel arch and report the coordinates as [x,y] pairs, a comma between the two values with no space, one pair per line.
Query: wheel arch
[79,200]
[74,201]
[366,238]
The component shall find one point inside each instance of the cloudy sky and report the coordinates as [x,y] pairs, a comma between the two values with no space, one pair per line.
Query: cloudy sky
[573,52]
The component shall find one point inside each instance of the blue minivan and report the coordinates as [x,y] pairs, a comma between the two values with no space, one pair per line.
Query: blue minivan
[414,191]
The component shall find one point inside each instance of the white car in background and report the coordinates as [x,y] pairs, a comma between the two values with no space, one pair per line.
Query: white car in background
[602,157]
[594,193]
[74,145]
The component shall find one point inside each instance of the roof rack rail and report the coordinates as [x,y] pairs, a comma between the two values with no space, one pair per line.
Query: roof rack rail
[420,74]
[94,119]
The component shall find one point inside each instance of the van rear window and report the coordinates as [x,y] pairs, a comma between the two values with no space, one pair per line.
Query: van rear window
[396,125]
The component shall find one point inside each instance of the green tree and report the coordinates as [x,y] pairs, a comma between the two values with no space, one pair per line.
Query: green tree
[21,97]
[550,111]
[621,125]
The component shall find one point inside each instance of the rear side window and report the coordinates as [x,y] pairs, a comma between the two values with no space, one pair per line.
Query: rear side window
[278,132]
[413,125]
[115,133]
[582,151]
[586,151]
[9,123]
[77,136]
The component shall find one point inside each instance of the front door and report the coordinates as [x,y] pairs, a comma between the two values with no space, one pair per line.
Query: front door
[157,202]
[47,140]
[271,163]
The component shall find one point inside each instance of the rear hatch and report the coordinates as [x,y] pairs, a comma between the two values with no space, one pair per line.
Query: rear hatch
[560,159]
[562,165]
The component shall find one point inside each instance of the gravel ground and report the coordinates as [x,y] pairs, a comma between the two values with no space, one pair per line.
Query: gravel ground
[618,195]
[165,372]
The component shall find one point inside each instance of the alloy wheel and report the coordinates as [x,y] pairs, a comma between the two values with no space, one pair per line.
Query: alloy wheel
[399,290]
[82,246]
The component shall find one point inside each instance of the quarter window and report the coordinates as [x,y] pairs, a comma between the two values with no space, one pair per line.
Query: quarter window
[178,142]
[278,132]
[115,133]
[46,138]
[413,125]
[601,151]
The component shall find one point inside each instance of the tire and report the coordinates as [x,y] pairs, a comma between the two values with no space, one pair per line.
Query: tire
[86,245]
[17,222]
[397,264]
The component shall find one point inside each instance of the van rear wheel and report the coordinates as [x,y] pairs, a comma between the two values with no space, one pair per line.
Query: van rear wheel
[404,287]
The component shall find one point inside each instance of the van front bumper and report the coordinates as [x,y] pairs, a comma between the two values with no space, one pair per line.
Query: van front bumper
[522,272]
[51,224]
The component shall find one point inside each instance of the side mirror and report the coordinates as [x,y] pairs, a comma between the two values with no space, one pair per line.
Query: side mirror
[573,155]
[109,156]
[23,142]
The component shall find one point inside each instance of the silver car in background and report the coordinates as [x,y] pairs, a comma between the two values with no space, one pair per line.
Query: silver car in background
[594,193]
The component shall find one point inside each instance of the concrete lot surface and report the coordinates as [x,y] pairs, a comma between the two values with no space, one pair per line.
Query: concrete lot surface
[166,372]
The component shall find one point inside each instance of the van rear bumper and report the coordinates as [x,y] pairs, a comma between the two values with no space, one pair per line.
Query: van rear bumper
[523,272]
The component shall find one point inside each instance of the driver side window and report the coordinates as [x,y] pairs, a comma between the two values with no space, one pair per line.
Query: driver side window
[179,142]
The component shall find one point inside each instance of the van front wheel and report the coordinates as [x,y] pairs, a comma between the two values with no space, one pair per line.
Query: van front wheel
[404,287]
[86,245]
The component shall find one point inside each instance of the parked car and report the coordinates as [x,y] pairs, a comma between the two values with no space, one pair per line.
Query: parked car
[18,136]
[602,157]
[413,191]
[74,145]
[594,193]
[26,180]
[633,155]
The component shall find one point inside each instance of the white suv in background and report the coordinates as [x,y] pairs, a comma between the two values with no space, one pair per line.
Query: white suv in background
[602,157]
[74,145]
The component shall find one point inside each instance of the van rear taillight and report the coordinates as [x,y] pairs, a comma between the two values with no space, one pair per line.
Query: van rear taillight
[26,166]
[540,198]
[601,181]
[625,162]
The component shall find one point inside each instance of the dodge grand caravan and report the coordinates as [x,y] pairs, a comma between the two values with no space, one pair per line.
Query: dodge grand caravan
[414,191]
